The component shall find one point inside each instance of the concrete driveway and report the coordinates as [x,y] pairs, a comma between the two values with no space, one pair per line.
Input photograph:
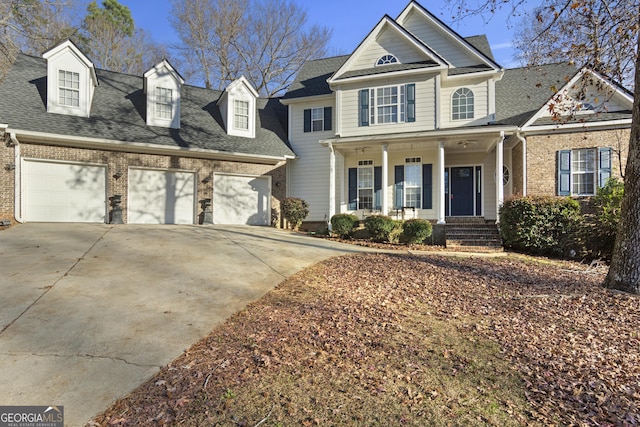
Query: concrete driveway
[89,312]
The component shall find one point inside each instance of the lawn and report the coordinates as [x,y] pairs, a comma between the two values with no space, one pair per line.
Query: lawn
[386,340]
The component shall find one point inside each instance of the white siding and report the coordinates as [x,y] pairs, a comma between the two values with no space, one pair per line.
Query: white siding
[428,156]
[308,175]
[425,108]
[480,97]
[440,42]
[388,42]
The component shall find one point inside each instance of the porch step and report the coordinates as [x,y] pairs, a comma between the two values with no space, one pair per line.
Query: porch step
[472,235]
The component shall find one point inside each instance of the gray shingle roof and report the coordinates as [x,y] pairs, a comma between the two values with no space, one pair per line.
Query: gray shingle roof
[481,43]
[523,91]
[587,118]
[119,108]
[312,78]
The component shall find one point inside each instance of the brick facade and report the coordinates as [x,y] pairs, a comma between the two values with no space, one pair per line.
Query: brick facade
[120,162]
[542,169]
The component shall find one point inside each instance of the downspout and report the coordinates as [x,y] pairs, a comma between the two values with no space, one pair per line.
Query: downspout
[523,140]
[17,200]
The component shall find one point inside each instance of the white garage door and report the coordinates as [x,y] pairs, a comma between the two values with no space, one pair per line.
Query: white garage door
[64,192]
[161,197]
[241,200]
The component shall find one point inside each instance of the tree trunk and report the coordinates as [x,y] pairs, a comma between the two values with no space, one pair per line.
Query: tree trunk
[624,272]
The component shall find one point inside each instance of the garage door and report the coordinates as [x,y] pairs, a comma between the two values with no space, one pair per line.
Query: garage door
[64,192]
[241,200]
[161,197]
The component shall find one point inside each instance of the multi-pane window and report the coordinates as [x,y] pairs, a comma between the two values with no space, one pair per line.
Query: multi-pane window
[413,182]
[388,104]
[583,171]
[387,59]
[462,104]
[69,88]
[317,119]
[241,114]
[164,103]
[365,184]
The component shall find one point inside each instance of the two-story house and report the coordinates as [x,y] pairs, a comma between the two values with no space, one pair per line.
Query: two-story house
[421,122]
[78,139]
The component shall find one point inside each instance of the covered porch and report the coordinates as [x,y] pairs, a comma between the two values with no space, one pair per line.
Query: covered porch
[429,175]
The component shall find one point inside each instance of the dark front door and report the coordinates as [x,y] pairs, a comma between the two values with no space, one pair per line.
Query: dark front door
[462,191]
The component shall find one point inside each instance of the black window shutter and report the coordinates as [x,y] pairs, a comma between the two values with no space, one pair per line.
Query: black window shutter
[411,102]
[364,107]
[398,200]
[307,120]
[353,189]
[427,186]
[327,118]
[377,187]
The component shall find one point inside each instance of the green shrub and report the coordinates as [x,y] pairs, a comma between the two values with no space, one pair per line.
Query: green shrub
[416,230]
[344,224]
[598,232]
[540,225]
[381,227]
[294,210]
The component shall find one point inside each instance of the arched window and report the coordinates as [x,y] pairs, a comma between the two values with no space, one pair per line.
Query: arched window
[462,104]
[386,60]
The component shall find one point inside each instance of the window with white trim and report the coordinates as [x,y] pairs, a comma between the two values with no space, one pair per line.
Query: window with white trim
[387,104]
[462,104]
[581,171]
[317,119]
[241,114]
[386,60]
[164,103]
[413,182]
[68,88]
[365,184]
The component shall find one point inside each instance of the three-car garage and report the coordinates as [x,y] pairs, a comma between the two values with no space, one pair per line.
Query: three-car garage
[57,191]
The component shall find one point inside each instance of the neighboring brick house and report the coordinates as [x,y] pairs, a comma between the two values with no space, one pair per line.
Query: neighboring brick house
[75,136]
[420,121]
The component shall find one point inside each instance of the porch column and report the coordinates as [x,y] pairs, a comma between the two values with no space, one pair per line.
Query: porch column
[499,175]
[385,179]
[441,192]
[332,182]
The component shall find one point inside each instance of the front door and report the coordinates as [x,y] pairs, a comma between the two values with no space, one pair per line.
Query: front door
[462,191]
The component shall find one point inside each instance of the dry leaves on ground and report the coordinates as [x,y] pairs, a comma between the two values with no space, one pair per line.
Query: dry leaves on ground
[384,339]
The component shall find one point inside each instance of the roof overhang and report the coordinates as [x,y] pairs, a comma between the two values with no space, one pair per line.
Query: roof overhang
[403,73]
[575,127]
[140,147]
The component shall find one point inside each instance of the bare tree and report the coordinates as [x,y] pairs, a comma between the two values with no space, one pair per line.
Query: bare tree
[267,41]
[207,29]
[600,34]
[33,26]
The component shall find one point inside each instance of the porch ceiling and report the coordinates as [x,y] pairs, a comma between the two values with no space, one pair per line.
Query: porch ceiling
[452,144]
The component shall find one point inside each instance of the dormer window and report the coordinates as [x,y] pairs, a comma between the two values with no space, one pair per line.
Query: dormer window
[241,115]
[71,80]
[69,88]
[164,103]
[238,108]
[386,60]
[162,85]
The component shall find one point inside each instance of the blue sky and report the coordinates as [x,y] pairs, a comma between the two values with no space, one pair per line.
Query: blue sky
[351,21]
